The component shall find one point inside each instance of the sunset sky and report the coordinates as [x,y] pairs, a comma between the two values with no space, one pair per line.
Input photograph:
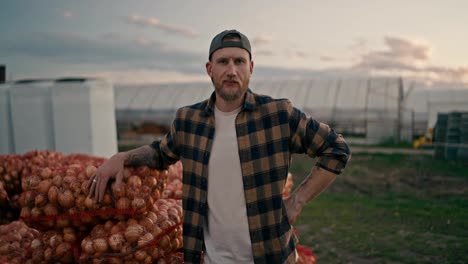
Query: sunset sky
[154,41]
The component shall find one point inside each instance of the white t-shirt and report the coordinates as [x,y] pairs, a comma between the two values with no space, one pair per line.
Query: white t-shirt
[226,231]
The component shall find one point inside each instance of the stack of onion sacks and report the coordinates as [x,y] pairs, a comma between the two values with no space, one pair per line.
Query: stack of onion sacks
[174,182]
[16,243]
[58,197]
[141,240]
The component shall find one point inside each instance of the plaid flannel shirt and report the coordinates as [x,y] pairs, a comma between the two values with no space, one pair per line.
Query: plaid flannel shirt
[268,132]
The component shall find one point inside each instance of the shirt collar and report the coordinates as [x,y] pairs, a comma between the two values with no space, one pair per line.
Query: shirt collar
[249,103]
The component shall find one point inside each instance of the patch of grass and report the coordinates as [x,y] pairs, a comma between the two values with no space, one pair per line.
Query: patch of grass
[388,209]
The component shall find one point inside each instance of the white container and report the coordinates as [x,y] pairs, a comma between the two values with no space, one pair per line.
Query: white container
[6,134]
[84,117]
[31,114]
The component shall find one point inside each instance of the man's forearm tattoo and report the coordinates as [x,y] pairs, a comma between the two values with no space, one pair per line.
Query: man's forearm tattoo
[143,156]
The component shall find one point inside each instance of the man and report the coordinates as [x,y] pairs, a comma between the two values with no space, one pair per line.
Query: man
[236,150]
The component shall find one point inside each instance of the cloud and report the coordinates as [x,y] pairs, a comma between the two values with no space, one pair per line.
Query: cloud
[296,54]
[155,23]
[325,58]
[266,53]
[113,50]
[262,39]
[143,76]
[399,53]
[408,58]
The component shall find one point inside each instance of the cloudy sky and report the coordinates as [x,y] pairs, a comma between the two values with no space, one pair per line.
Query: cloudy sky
[150,41]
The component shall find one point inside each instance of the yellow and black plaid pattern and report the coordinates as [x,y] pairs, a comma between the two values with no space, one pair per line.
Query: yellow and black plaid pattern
[268,132]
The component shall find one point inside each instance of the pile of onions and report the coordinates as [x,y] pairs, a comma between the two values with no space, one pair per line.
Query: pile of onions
[58,197]
[174,182]
[288,186]
[17,242]
[153,236]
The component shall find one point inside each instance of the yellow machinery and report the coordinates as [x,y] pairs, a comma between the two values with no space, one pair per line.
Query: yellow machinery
[422,140]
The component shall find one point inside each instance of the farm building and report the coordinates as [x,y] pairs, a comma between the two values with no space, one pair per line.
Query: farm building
[373,109]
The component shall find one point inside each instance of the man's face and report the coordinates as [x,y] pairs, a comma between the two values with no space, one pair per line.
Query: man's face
[230,70]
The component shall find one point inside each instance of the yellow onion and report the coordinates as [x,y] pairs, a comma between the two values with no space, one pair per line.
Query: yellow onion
[40,200]
[133,232]
[98,231]
[36,212]
[48,253]
[100,245]
[123,203]
[140,255]
[116,241]
[138,203]
[90,171]
[90,203]
[134,182]
[69,235]
[50,209]
[63,249]
[87,246]
[164,242]
[52,194]
[44,186]
[66,199]
[57,180]
[146,223]
[145,239]
[120,193]
[46,173]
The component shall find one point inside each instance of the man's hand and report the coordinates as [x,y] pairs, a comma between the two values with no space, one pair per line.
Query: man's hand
[293,208]
[112,168]
[311,187]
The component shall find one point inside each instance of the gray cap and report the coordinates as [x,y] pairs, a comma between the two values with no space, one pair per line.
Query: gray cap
[219,43]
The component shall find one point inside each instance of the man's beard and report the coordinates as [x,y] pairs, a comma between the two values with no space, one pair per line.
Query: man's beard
[231,95]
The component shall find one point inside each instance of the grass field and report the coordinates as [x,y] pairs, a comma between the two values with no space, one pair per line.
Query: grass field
[388,209]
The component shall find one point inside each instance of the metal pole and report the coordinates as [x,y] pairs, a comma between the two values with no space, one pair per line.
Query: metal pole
[366,105]
[400,106]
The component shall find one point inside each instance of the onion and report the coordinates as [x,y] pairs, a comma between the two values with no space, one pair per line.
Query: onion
[134,181]
[52,194]
[138,203]
[87,246]
[44,186]
[145,239]
[46,173]
[66,199]
[100,245]
[116,241]
[140,255]
[50,209]
[133,232]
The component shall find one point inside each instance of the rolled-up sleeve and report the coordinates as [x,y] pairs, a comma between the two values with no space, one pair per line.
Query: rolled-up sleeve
[167,149]
[317,139]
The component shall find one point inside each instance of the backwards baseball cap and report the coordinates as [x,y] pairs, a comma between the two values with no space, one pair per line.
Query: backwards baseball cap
[225,40]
